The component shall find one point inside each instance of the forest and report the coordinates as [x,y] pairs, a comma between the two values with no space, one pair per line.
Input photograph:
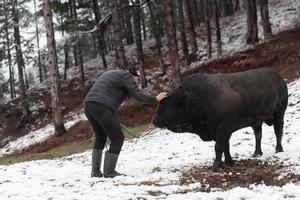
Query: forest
[90,29]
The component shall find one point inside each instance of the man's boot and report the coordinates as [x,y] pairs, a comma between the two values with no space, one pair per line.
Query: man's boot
[110,162]
[96,163]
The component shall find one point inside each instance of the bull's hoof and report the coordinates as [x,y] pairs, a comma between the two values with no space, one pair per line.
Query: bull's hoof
[257,154]
[279,149]
[229,162]
[217,166]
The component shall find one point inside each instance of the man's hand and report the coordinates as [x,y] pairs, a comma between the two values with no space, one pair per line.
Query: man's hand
[161,96]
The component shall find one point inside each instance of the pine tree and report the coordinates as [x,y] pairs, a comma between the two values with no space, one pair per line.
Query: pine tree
[53,68]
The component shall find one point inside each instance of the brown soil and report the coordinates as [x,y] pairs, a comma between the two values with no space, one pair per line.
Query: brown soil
[243,174]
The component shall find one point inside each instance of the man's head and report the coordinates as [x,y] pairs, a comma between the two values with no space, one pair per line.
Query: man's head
[134,71]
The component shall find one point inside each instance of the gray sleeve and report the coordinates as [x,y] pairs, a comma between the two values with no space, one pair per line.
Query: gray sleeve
[137,93]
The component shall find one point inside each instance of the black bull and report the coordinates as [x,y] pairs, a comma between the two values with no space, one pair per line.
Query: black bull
[213,106]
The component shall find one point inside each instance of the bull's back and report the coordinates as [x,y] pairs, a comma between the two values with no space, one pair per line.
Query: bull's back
[251,95]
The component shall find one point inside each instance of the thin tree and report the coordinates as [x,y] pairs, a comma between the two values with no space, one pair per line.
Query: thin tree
[38,42]
[127,23]
[138,40]
[173,54]
[252,30]
[8,52]
[53,69]
[217,24]
[191,26]
[264,11]
[237,5]
[76,45]
[208,29]
[20,64]
[227,7]
[155,12]
[183,39]
[117,36]
[100,34]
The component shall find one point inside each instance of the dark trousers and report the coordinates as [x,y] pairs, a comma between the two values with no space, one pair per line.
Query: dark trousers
[105,124]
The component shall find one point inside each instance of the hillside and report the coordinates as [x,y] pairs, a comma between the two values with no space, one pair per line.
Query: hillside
[281,53]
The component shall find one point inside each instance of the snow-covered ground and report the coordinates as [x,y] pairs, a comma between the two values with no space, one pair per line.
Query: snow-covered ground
[153,164]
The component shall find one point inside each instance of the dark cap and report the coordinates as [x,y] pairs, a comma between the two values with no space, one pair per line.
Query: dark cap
[134,71]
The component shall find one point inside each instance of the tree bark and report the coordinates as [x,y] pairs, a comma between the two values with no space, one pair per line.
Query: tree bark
[191,26]
[100,35]
[38,42]
[173,54]
[208,31]
[138,41]
[67,65]
[218,31]
[53,68]
[252,30]
[20,65]
[117,36]
[76,47]
[127,25]
[184,45]
[264,11]
[155,24]
[9,59]
[228,7]
[237,5]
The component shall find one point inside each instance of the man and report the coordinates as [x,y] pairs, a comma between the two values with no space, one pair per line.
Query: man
[101,103]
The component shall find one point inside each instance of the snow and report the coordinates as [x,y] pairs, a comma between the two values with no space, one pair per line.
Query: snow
[152,164]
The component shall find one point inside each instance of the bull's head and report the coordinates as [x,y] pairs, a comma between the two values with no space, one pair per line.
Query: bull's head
[170,113]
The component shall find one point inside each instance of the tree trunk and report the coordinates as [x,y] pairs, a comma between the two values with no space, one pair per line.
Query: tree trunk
[184,45]
[194,7]
[264,11]
[11,74]
[143,19]
[228,7]
[117,36]
[38,42]
[191,26]
[200,11]
[138,41]
[155,15]
[127,25]
[76,46]
[217,24]
[208,31]
[67,65]
[100,36]
[173,54]
[53,68]
[20,65]
[252,31]
[237,5]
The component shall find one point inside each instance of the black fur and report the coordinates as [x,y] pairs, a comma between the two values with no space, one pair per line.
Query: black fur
[213,106]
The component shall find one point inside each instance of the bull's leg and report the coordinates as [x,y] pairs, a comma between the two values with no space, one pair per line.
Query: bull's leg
[278,128]
[258,134]
[219,149]
[228,159]
[222,141]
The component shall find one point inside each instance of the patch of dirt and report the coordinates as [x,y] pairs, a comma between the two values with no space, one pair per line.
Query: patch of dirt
[243,174]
